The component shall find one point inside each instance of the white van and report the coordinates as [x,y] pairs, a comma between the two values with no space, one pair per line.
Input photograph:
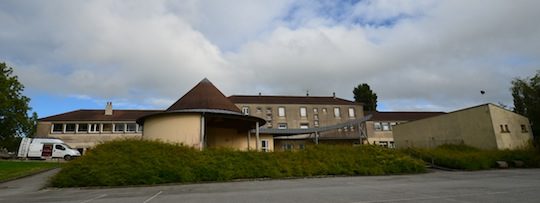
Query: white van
[46,148]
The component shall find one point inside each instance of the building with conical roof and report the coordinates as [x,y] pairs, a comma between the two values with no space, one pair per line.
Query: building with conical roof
[203,118]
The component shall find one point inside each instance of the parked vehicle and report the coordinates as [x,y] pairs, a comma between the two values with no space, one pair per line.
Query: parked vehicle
[46,148]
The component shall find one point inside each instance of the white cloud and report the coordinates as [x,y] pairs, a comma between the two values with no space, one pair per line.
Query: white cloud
[433,55]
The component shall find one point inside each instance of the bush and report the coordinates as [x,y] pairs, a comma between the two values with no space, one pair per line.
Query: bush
[135,162]
[469,158]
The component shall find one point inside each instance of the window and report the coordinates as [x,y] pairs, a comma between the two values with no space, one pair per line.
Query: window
[304,125]
[59,147]
[524,129]
[82,128]
[303,112]
[107,127]
[287,147]
[324,110]
[315,110]
[282,126]
[351,113]
[383,143]
[316,123]
[377,126]
[506,128]
[315,117]
[264,145]
[268,110]
[70,127]
[337,112]
[385,126]
[245,110]
[58,128]
[259,110]
[119,127]
[351,127]
[131,127]
[281,111]
[94,128]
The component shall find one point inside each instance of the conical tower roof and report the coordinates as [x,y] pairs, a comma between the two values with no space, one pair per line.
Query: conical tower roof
[204,96]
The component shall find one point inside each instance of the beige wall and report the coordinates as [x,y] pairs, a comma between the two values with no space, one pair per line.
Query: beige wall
[232,138]
[472,126]
[177,128]
[374,137]
[516,138]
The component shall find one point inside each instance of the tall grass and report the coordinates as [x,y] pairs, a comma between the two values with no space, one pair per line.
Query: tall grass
[135,162]
[469,158]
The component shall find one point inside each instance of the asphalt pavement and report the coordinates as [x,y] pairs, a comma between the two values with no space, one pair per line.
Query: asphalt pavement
[510,185]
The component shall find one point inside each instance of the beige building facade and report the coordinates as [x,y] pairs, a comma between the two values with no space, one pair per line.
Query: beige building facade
[486,126]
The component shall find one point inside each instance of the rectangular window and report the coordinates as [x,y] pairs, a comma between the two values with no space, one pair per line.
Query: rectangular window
[131,127]
[57,128]
[264,145]
[316,123]
[94,128]
[282,126]
[524,129]
[245,110]
[70,127]
[337,112]
[506,128]
[107,127]
[259,110]
[304,125]
[351,113]
[82,128]
[281,111]
[315,117]
[315,110]
[324,110]
[377,126]
[385,126]
[303,112]
[287,147]
[119,127]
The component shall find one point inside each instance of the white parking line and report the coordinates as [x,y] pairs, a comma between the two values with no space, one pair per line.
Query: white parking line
[100,196]
[150,199]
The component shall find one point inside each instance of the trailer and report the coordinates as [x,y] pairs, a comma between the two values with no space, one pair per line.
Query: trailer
[45,148]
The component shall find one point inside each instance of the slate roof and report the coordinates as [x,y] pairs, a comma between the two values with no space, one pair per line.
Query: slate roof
[99,115]
[264,99]
[401,115]
[204,96]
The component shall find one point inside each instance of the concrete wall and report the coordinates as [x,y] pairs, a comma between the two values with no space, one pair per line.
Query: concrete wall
[471,126]
[515,137]
[176,128]
[476,126]
[232,138]
[374,137]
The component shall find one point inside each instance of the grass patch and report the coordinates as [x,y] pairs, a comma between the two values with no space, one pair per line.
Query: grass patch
[10,170]
[135,162]
[469,158]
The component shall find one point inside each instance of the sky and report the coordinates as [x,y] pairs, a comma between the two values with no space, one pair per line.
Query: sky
[417,55]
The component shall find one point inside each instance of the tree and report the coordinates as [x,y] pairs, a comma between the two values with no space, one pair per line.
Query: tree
[14,120]
[362,93]
[526,94]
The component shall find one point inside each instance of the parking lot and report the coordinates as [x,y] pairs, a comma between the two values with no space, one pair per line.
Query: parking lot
[516,185]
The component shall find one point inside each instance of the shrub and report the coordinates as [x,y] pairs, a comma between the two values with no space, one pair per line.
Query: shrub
[135,162]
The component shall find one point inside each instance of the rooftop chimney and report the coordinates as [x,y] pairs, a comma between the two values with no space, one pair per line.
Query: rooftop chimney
[334,94]
[108,109]
[260,94]
[307,93]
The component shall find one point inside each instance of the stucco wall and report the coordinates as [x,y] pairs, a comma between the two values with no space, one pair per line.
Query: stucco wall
[232,138]
[176,128]
[471,126]
[516,137]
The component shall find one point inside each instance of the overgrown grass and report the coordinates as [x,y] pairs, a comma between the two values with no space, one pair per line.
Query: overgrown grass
[469,158]
[134,162]
[10,170]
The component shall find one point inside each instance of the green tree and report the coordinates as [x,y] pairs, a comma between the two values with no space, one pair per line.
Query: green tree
[14,120]
[362,93]
[526,94]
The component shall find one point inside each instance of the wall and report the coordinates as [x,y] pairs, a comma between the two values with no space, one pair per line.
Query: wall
[232,138]
[177,128]
[515,138]
[374,137]
[471,126]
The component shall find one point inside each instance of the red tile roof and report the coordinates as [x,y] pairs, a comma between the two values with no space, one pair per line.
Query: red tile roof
[401,115]
[256,99]
[204,96]
[99,115]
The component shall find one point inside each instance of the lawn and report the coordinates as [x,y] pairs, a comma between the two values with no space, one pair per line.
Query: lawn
[10,170]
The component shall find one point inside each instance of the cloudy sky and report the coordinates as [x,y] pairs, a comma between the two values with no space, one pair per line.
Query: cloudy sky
[416,55]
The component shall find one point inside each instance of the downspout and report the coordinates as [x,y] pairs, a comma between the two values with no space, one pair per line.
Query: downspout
[203,132]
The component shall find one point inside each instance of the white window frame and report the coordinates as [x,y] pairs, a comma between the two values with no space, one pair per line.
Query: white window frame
[304,125]
[337,112]
[282,124]
[128,131]
[386,126]
[265,145]
[74,130]
[352,112]
[82,124]
[377,126]
[52,128]
[303,112]
[94,127]
[245,110]
[114,127]
[281,111]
